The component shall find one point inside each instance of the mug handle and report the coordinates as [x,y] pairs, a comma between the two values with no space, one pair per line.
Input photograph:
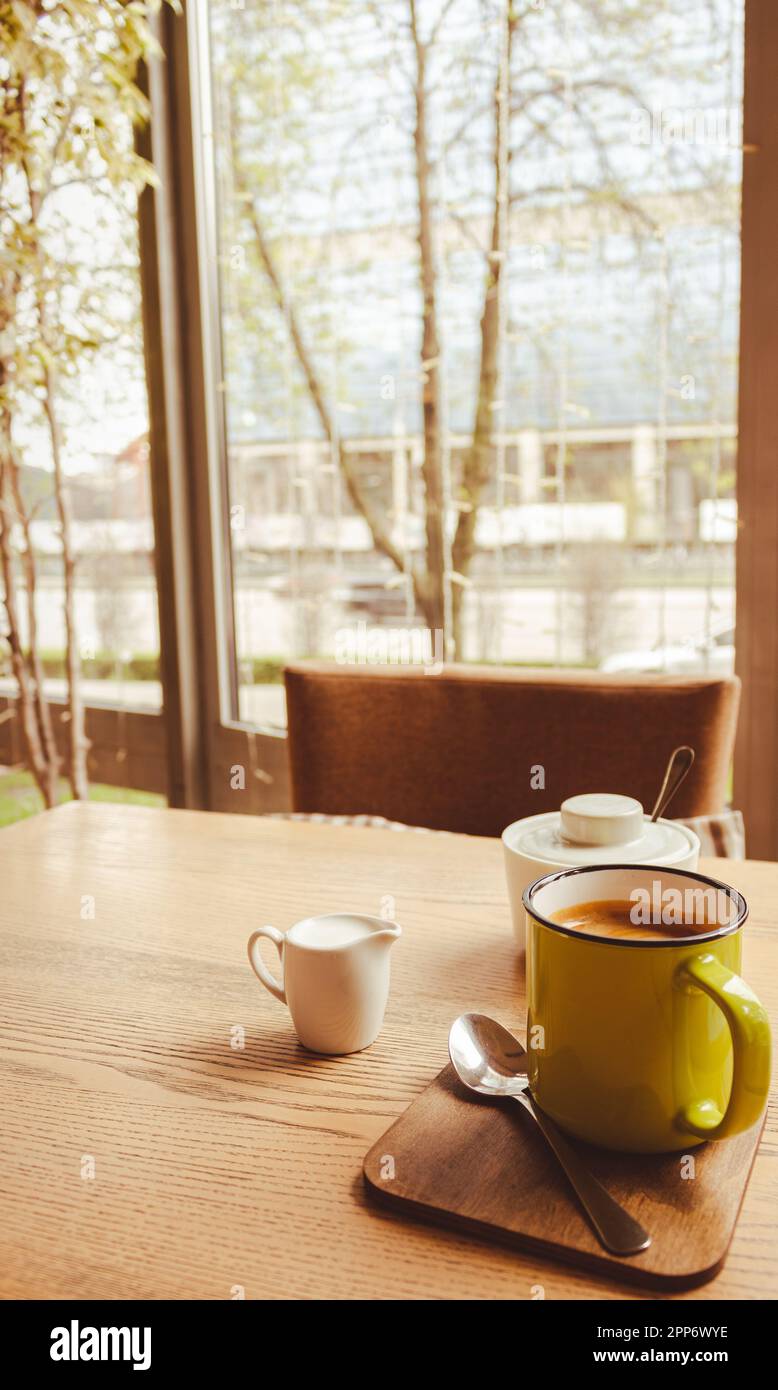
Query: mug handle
[750,1031]
[258,965]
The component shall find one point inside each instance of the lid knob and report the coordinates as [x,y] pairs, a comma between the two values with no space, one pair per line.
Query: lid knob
[601,818]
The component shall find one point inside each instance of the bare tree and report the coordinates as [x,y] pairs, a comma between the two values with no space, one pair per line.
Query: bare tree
[35,716]
[433,588]
[476,468]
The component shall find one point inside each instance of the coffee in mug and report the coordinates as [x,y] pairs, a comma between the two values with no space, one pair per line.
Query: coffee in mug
[620,919]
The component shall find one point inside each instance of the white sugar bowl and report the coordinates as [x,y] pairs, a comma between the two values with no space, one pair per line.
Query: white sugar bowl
[596,828]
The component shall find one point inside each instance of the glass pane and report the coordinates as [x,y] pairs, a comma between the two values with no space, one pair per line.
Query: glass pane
[102,411]
[78,603]
[480,277]
[109,484]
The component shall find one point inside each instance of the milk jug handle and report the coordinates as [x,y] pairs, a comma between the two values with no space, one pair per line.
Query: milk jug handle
[258,965]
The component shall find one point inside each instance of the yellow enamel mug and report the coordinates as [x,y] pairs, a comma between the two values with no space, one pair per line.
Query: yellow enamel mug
[642,1045]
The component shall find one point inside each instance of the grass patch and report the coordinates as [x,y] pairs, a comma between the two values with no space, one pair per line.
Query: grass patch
[144,666]
[103,666]
[20,798]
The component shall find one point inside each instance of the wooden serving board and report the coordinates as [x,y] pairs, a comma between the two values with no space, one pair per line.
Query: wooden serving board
[483,1167]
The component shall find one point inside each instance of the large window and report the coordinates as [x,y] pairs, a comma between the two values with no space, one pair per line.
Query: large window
[479,271]
[441,306]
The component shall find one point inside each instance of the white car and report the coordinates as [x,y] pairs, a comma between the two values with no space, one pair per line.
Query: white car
[706,656]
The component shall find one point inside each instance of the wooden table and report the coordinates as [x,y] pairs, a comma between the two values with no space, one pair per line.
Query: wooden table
[125,995]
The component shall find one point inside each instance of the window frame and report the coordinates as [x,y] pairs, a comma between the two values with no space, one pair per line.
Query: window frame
[189,444]
[756,561]
[207,745]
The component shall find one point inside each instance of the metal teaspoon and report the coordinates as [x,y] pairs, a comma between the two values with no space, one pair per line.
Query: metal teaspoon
[490,1060]
[678,767]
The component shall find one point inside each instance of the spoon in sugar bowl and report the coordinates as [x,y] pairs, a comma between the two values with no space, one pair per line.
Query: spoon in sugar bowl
[676,772]
[490,1060]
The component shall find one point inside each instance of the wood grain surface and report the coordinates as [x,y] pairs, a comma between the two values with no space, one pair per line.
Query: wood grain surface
[221,1168]
[483,1166]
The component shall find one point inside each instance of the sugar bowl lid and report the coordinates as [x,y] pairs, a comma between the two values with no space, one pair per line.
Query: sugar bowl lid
[601,818]
[599,827]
